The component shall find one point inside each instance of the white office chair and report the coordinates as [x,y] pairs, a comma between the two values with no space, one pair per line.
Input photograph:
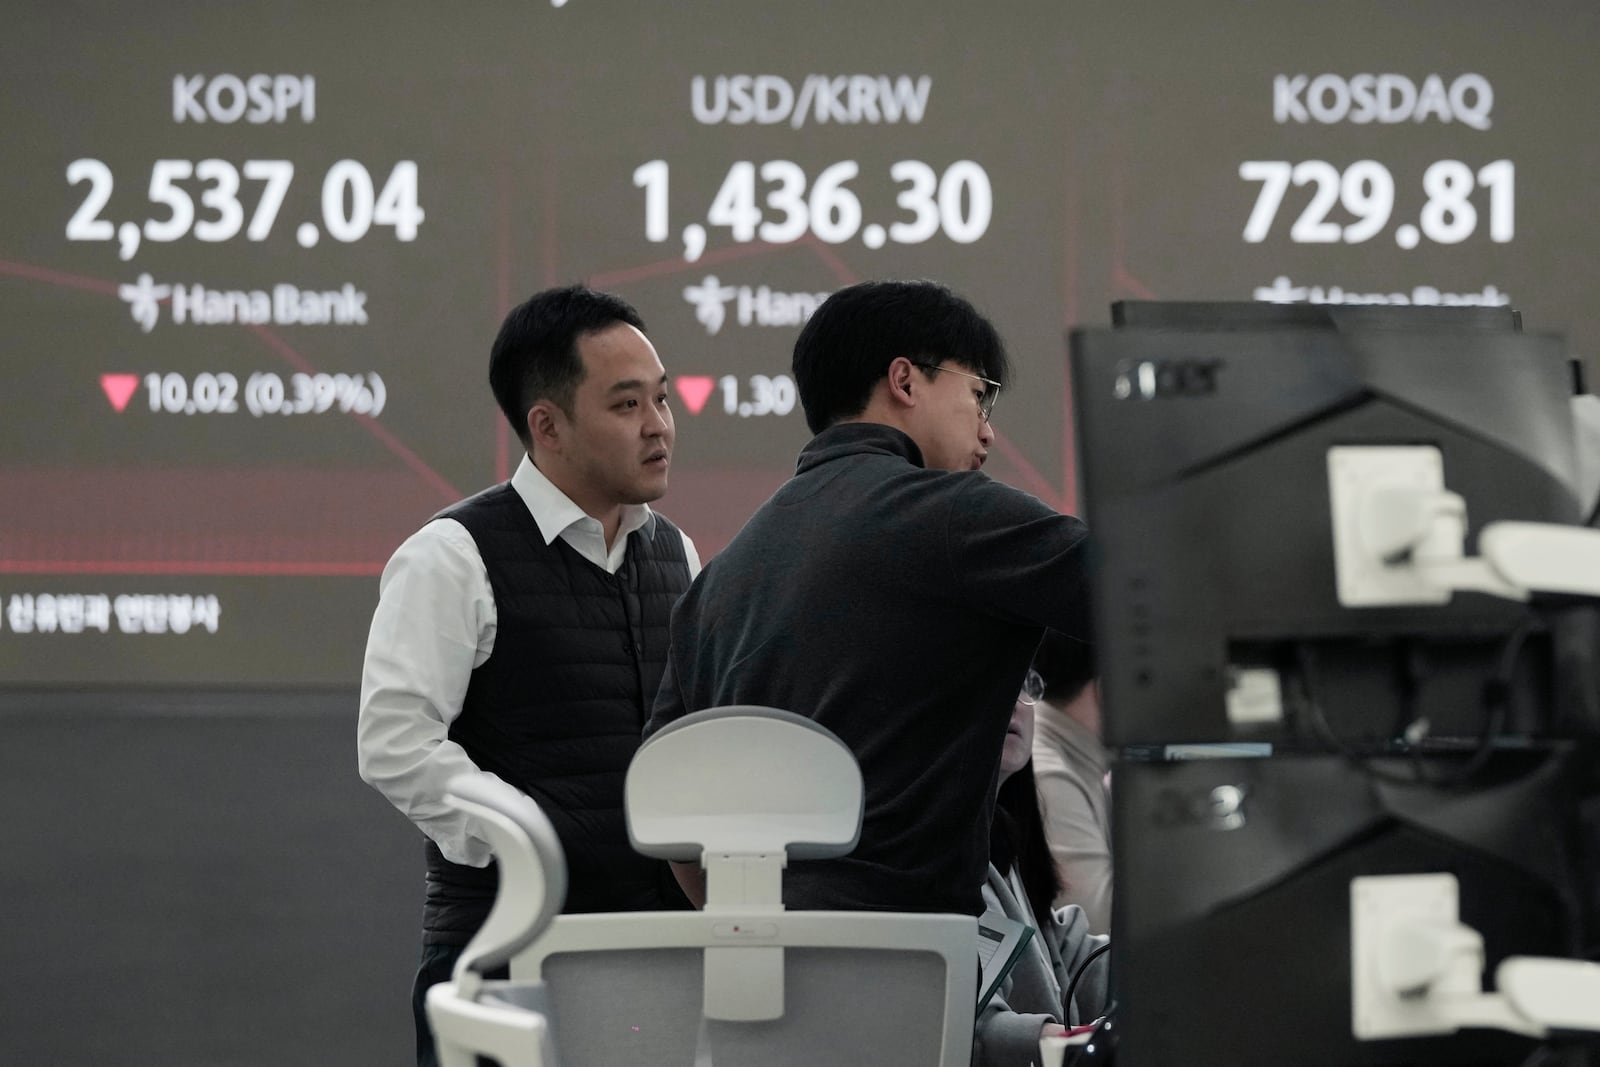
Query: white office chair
[744,982]
[471,1016]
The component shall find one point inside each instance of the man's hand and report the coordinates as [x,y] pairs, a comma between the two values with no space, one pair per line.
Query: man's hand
[692,880]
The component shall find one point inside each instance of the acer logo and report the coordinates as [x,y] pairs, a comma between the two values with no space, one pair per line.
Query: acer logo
[1148,379]
[1221,808]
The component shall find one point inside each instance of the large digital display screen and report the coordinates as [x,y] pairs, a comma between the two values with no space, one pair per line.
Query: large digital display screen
[252,259]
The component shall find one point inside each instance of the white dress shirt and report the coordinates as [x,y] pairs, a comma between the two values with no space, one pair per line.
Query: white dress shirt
[434,624]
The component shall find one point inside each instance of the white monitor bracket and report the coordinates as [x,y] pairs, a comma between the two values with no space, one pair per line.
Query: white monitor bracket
[1399,537]
[1416,969]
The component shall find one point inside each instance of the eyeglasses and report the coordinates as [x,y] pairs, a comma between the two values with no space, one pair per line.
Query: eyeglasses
[1032,688]
[991,388]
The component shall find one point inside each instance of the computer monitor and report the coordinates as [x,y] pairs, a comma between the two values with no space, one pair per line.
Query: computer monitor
[1455,738]
[1231,930]
[1204,460]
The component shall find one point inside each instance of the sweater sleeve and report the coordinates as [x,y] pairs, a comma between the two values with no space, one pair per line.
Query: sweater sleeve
[1069,929]
[1005,1038]
[1019,559]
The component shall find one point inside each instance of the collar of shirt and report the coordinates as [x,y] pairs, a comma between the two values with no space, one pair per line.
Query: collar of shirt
[557,516]
[855,438]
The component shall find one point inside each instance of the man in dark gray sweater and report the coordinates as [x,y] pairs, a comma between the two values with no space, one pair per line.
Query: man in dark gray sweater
[890,591]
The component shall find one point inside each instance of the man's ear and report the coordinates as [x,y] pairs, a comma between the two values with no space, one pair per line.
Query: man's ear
[545,425]
[900,381]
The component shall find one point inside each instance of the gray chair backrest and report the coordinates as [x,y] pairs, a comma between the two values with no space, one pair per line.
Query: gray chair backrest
[743,779]
[858,987]
[746,983]
[843,1006]
[533,869]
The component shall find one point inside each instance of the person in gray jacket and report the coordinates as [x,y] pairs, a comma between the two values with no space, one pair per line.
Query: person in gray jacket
[1071,770]
[1021,882]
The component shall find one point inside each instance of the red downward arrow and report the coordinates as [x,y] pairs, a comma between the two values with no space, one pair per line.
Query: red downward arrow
[693,388]
[119,388]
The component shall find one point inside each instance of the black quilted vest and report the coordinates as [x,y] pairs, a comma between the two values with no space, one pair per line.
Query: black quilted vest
[557,708]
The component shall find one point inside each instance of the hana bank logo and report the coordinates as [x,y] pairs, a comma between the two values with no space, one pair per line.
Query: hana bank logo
[758,305]
[710,299]
[144,300]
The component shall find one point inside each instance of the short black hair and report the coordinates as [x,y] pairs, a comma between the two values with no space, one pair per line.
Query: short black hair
[535,356]
[1066,665]
[850,340]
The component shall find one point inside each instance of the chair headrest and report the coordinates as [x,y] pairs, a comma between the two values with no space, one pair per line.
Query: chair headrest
[533,868]
[743,779]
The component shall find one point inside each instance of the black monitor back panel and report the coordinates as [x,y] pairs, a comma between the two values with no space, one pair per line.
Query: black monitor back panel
[1232,926]
[1204,468]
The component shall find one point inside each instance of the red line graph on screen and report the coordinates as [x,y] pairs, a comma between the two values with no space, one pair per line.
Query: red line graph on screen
[240,506]
[246,527]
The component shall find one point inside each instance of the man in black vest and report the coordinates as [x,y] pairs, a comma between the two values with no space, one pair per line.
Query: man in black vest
[522,632]
[890,591]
